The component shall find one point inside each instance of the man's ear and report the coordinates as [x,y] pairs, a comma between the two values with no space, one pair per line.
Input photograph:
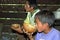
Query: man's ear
[32,7]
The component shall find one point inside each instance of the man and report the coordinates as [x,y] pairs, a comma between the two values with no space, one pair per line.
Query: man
[31,9]
[44,21]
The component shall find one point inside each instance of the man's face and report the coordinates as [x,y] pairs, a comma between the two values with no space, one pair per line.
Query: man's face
[27,7]
[40,26]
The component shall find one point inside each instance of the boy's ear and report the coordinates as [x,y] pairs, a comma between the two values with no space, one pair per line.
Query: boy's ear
[46,24]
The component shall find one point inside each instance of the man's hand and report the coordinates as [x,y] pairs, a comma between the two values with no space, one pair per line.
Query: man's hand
[17,28]
[29,35]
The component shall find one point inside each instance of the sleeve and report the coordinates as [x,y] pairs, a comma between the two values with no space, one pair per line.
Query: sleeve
[27,20]
[36,36]
[57,37]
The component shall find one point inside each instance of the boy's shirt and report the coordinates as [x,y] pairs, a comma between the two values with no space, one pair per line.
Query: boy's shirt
[52,35]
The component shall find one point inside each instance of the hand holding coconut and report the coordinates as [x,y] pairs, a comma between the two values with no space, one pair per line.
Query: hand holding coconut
[17,28]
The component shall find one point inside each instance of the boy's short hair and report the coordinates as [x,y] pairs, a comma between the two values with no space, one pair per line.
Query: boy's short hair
[46,16]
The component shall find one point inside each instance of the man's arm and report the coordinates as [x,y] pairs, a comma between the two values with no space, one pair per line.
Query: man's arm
[17,28]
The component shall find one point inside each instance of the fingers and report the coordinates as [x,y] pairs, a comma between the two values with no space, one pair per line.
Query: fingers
[29,34]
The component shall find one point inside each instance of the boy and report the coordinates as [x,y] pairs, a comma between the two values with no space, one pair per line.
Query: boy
[44,22]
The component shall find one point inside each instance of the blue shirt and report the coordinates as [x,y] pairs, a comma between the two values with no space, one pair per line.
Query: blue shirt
[52,35]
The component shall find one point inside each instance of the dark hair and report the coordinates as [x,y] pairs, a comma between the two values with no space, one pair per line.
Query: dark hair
[33,3]
[46,16]
[34,6]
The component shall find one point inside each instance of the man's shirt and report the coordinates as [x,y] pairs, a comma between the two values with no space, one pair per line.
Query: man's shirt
[30,17]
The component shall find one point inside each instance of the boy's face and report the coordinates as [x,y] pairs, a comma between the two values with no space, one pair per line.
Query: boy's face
[40,26]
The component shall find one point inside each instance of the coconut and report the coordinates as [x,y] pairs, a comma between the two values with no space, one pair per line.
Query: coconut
[29,28]
[15,25]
